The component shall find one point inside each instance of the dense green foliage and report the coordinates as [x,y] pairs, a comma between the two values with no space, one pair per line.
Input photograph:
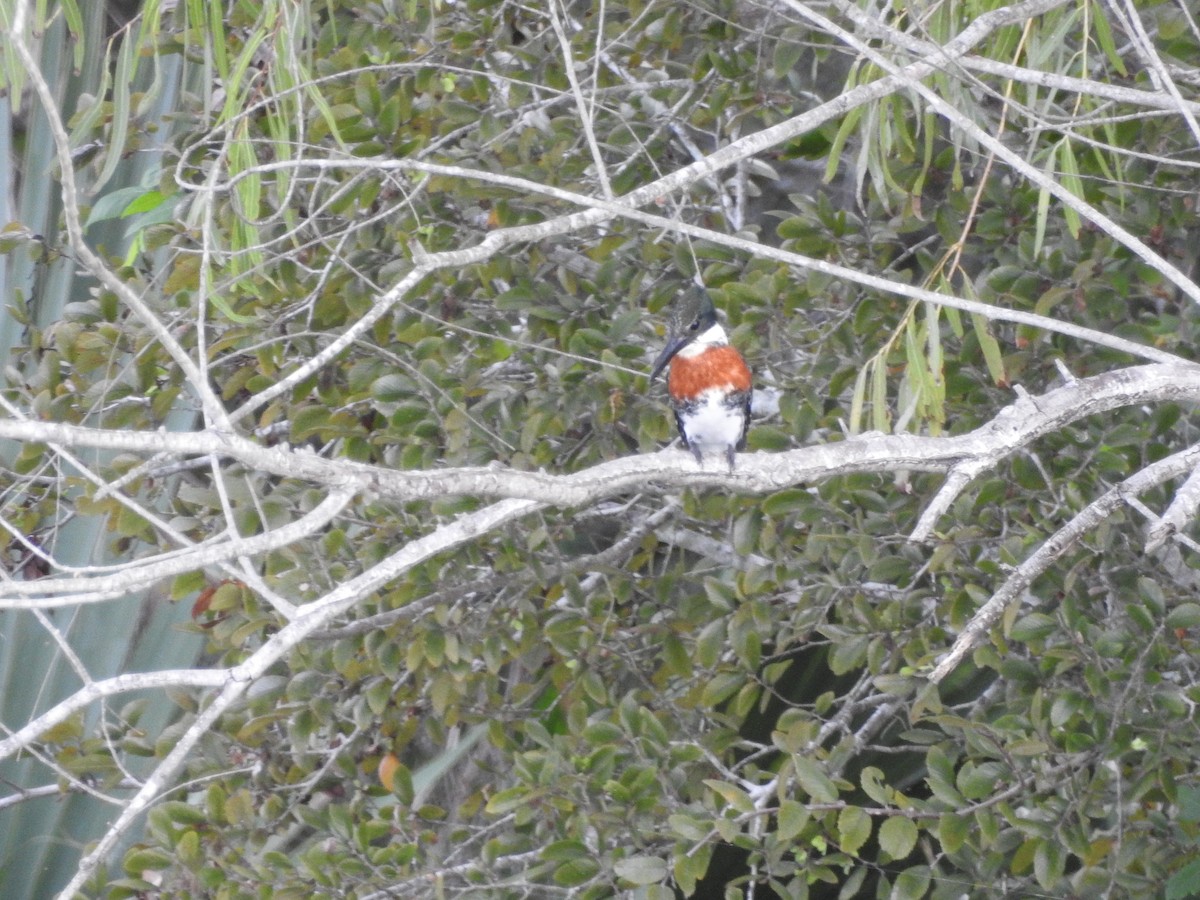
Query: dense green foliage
[680,693]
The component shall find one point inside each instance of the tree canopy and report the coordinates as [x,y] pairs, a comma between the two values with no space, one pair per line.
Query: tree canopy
[344,549]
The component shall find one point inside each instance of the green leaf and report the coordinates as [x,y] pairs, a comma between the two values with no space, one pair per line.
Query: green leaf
[789,49]
[858,399]
[990,347]
[1189,803]
[979,781]
[788,501]
[1185,883]
[722,687]
[122,114]
[875,786]
[911,884]
[731,794]
[188,849]
[1105,39]
[854,828]
[676,659]
[941,777]
[309,421]
[848,654]
[897,836]
[880,415]
[577,871]
[953,831]
[391,388]
[146,859]
[1050,171]
[690,867]
[847,128]
[641,869]
[689,827]
[792,818]
[1049,863]
[146,202]
[113,205]
[1185,615]
[813,780]
[1032,627]
[509,799]
[1073,183]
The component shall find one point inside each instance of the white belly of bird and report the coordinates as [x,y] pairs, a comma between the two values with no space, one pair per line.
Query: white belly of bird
[712,426]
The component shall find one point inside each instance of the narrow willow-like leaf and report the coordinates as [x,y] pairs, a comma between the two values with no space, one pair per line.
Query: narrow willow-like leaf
[954,318]
[1050,41]
[876,153]
[937,381]
[1105,39]
[278,124]
[126,71]
[284,114]
[1043,201]
[848,127]
[236,87]
[881,420]
[1073,183]
[1004,43]
[991,349]
[908,400]
[929,133]
[84,125]
[1111,176]
[75,25]
[857,398]
[916,375]
[148,35]
[216,35]
[195,18]
[900,121]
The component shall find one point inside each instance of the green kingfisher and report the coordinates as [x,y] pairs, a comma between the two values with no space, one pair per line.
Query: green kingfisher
[709,381]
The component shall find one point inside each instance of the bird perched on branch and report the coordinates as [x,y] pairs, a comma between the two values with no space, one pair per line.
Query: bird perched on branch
[709,381]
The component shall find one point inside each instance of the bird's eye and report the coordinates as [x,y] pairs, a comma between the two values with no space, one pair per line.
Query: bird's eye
[695,324]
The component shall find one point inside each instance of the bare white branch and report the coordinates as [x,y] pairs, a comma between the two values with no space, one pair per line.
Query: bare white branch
[221,449]
[543,230]
[1181,511]
[95,266]
[108,687]
[1158,70]
[312,617]
[83,587]
[1053,548]
[582,107]
[596,211]
[997,147]
[1012,428]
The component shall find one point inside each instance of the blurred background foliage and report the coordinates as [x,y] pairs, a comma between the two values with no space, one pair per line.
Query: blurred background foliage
[699,695]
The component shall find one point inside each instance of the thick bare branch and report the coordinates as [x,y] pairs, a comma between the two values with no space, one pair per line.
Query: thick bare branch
[1013,427]
[1027,419]
[1181,511]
